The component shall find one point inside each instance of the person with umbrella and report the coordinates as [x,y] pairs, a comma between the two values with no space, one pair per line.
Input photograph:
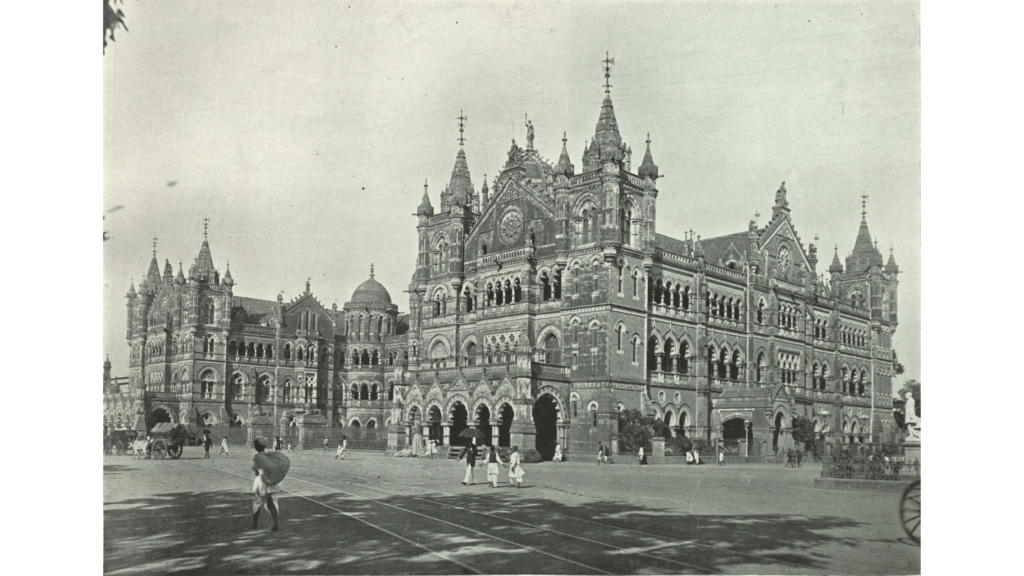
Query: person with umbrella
[469,453]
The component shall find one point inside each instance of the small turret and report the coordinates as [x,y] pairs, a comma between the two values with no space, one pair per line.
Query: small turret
[168,272]
[891,266]
[836,267]
[425,208]
[179,279]
[228,281]
[485,192]
[131,290]
[648,168]
[564,165]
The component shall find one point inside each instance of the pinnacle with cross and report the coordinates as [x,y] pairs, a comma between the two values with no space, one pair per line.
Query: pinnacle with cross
[206,222]
[864,207]
[371,269]
[607,73]
[648,139]
[462,122]
[154,246]
[564,140]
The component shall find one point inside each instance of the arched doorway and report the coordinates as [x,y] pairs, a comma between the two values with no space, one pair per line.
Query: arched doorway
[157,416]
[506,413]
[459,417]
[734,430]
[483,416]
[545,418]
[777,431]
[668,422]
[682,423]
[435,429]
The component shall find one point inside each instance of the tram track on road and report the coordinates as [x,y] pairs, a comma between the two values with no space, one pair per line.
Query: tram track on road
[292,477]
[679,541]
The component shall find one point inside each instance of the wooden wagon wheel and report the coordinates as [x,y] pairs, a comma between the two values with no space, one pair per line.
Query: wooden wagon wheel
[174,451]
[910,511]
[159,449]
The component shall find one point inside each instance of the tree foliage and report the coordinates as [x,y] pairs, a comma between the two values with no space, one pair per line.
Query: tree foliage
[897,368]
[803,432]
[636,430]
[111,20]
[913,388]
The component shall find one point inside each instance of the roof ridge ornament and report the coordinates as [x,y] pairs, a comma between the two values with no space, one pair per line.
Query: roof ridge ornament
[462,123]
[607,72]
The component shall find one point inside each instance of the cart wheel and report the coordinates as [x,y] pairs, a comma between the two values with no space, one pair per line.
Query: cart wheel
[910,511]
[174,451]
[159,449]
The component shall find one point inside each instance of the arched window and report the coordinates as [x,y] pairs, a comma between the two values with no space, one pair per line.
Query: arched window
[364,392]
[238,387]
[471,354]
[574,402]
[862,384]
[207,382]
[652,354]
[760,312]
[557,285]
[760,368]
[263,389]
[734,366]
[373,392]
[232,348]
[517,293]
[364,358]
[469,299]
[636,349]
[552,351]
[375,358]
[636,284]
[355,392]
[723,359]
[619,333]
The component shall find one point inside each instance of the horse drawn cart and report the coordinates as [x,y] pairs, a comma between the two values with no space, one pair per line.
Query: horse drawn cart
[119,442]
[168,440]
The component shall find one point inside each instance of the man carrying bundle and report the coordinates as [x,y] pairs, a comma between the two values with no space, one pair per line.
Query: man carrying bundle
[270,469]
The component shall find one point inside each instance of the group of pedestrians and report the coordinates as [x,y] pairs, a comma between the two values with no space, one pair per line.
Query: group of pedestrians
[794,458]
[515,465]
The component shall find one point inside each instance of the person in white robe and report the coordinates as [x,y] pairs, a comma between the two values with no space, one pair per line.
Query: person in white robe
[515,468]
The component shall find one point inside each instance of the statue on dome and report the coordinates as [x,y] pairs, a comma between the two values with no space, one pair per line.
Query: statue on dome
[529,133]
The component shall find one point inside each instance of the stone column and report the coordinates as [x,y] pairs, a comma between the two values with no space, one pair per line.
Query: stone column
[447,433]
[523,433]
[495,434]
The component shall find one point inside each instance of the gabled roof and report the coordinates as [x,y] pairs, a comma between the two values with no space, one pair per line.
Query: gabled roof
[718,249]
[671,245]
[496,200]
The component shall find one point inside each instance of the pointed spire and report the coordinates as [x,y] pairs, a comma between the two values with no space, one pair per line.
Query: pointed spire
[168,272]
[131,290]
[180,278]
[836,266]
[606,136]
[204,270]
[425,208]
[460,187]
[865,253]
[152,279]
[564,165]
[891,266]
[228,280]
[648,167]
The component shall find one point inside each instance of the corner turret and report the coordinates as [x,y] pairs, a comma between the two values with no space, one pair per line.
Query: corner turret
[425,207]
[648,169]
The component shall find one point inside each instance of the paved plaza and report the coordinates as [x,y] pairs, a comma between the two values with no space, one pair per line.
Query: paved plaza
[374,515]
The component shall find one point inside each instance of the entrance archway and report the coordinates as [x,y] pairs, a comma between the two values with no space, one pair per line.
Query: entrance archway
[545,418]
[434,419]
[157,416]
[682,423]
[668,422]
[459,417]
[777,431]
[483,416]
[506,413]
[734,430]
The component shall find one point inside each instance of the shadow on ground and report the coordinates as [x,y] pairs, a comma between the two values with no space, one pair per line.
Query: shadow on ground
[184,532]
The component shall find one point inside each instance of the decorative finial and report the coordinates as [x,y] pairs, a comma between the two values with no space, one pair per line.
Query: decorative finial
[837,249]
[154,246]
[307,284]
[206,222]
[648,139]
[757,214]
[607,73]
[815,238]
[864,207]
[890,249]
[462,122]
[424,185]
[371,269]
[564,139]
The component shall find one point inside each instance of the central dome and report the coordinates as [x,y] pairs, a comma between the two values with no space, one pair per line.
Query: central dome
[371,292]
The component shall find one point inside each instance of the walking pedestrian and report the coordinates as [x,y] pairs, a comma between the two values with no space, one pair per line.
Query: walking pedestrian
[432,448]
[326,442]
[721,456]
[207,444]
[493,462]
[262,487]
[469,453]
[224,447]
[600,452]
[696,456]
[342,446]
[641,457]
[277,443]
[515,468]
[558,453]
[799,458]
[289,446]
[790,463]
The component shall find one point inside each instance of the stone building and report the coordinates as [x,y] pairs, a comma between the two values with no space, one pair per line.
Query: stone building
[541,305]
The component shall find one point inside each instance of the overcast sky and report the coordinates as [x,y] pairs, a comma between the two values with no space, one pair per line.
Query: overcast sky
[305,130]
